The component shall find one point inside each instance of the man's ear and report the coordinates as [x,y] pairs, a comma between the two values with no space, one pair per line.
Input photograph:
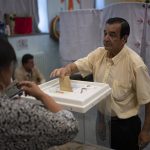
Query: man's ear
[125,38]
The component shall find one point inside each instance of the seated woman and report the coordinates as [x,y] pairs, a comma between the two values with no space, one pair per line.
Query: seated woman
[30,125]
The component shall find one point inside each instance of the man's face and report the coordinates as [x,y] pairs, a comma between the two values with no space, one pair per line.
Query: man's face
[112,41]
[29,65]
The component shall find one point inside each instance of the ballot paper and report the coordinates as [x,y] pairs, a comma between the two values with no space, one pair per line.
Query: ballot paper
[65,84]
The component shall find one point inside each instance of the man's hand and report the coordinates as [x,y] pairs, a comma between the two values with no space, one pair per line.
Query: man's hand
[144,139]
[144,136]
[61,72]
[65,71]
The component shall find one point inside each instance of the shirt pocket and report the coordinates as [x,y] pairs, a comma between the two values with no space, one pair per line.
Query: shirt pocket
[121,90]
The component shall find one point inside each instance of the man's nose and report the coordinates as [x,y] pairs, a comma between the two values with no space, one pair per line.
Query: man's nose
[106,37]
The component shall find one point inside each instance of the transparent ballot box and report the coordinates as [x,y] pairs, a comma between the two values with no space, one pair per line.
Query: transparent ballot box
[83,101]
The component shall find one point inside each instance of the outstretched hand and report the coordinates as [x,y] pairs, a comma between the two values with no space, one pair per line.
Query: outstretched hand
[61,72]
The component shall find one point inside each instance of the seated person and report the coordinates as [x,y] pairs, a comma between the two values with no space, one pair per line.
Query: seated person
[30,124]
[28,71]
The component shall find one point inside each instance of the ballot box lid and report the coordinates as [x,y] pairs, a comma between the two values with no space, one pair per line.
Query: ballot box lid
[83,97]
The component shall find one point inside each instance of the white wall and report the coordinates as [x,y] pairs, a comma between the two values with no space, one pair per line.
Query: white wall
[38,44]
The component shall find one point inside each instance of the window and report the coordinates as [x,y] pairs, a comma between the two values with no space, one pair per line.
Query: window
[99,4]
[43,16]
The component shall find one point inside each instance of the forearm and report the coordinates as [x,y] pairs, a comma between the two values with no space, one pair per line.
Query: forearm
[49,103]
[146,126]
[72,68]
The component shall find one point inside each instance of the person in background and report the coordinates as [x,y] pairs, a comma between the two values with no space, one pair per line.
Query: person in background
[28,71]
[27,124]
[123,69]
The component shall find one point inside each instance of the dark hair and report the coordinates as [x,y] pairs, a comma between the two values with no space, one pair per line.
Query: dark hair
[125,28]
[26,57]
[7,53]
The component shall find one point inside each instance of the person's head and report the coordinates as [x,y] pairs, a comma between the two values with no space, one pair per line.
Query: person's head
[7,62]
[28,62]
[116,33]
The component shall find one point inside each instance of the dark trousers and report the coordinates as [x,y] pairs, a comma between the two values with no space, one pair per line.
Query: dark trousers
[124,133]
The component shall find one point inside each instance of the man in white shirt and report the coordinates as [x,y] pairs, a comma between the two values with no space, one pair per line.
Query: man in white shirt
[125,72]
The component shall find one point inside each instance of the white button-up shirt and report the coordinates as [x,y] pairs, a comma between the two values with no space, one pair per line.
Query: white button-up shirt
[126,74]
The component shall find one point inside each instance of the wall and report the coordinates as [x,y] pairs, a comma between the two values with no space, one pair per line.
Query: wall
[38,45]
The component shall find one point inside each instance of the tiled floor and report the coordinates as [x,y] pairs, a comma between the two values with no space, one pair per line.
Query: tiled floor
[78,146]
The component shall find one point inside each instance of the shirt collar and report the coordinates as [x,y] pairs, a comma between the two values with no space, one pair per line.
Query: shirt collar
[27,73]
[119,56]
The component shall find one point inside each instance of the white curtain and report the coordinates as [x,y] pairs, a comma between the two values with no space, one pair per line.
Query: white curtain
[146,39]
[87,4]
[79,33]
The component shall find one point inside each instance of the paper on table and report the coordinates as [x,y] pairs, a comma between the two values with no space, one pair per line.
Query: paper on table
[65,84]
